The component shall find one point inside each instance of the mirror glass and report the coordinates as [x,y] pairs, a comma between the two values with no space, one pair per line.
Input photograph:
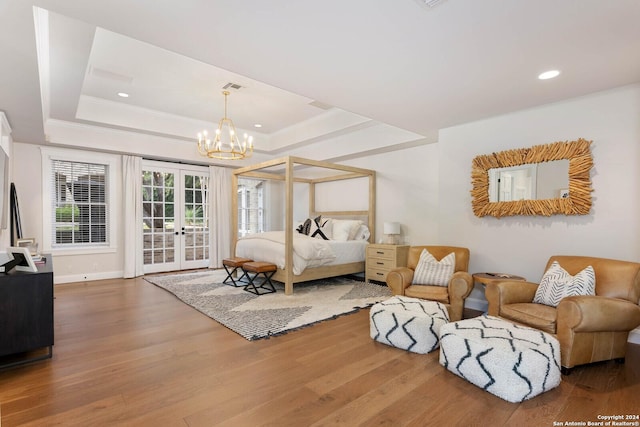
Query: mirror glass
[535,181]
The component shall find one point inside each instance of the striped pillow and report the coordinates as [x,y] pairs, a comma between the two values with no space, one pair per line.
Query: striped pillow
[557,283]
[430,271]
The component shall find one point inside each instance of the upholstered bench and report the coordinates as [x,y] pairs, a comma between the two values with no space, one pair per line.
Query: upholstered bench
[257,268]
[408,323]
[511,361]
[231,265]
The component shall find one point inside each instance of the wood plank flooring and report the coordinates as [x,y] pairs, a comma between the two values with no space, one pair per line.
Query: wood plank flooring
[129,353]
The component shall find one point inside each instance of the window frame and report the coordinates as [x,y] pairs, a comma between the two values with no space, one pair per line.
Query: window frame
[111,162]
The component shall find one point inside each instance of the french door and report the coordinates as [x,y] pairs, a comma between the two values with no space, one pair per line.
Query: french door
[175,223]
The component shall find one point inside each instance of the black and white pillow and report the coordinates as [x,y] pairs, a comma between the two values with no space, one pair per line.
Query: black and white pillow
[557,283]
[305,227]
[317,228]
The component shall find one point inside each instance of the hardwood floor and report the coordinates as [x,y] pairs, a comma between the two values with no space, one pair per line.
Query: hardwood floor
[129,353]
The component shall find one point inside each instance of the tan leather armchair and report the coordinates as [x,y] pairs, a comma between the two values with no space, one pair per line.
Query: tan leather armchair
[452,296]
[589,328]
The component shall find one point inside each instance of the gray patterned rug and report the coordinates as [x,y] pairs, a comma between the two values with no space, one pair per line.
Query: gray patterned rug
[256,317]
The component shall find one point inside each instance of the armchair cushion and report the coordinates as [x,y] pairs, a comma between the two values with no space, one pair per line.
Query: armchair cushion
[430,271]
[557,283]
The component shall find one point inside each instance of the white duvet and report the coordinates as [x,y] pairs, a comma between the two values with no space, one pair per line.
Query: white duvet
[269,246]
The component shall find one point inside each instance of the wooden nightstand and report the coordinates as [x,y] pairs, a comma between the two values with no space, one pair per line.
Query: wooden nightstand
[381,259]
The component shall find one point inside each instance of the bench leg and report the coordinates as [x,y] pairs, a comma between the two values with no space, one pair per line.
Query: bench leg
[266,286]
[234,282]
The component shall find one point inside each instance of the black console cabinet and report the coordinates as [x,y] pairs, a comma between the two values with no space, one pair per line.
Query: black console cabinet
[26,312]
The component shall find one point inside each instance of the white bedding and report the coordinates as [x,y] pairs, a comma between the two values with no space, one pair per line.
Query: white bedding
[307,251]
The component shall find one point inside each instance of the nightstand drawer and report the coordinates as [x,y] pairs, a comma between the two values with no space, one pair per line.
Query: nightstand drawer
[382,263]
[381,253]
[376,274]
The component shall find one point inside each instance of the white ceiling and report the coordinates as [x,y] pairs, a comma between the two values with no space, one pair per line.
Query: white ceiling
[312,72]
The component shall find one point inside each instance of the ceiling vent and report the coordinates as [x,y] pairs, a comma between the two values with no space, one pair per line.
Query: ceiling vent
[232,86]
[430,3]
[320,105]
[109,75]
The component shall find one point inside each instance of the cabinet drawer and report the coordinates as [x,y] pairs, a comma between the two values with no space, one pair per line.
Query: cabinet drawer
[377,274]
[381,252]
[381,263]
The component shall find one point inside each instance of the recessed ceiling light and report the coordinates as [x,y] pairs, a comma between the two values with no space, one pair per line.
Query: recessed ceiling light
[123,94]
[549,74]
[257,125]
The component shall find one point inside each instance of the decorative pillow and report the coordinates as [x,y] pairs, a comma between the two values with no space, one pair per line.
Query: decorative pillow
[557,283]
[430,271]
[305,227]
[320,228]
[345,228]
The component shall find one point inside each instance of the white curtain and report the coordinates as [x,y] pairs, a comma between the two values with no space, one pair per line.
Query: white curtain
[219,215]
[132,202]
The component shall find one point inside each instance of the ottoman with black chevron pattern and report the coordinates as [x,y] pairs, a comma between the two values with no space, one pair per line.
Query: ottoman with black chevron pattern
[408,323]
[510,361]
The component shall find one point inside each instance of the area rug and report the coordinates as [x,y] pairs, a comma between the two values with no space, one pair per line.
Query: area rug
[255,317]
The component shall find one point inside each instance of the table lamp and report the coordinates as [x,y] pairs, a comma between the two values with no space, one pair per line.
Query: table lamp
[391,232]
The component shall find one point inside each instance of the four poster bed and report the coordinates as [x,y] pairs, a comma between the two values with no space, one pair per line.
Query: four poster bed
[306,259]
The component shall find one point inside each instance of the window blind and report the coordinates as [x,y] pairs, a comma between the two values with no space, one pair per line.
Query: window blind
[79,211]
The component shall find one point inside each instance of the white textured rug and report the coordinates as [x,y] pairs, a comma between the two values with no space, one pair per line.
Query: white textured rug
[256,317]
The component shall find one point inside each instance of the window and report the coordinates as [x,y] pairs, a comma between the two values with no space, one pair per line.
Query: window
[79,207]
[250,206]
[77,201]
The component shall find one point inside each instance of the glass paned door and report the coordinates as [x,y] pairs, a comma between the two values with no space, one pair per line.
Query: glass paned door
[175,223]
[195,220]
[159,220]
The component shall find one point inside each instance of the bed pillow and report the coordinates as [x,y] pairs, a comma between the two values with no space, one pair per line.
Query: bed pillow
[343,229]
[363,233]
[557,283]
[430,271]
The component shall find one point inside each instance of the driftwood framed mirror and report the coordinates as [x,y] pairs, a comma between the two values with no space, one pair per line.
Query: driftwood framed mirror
[517,170]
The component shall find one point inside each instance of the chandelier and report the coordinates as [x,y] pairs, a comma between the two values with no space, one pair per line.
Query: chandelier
[225,145]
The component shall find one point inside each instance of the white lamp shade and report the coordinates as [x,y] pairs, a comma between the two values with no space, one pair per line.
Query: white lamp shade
[391,228]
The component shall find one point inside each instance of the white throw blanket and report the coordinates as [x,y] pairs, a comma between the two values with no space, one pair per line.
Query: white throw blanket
[269,247]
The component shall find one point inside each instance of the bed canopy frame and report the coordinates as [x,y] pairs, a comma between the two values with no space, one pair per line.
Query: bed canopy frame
[288,177]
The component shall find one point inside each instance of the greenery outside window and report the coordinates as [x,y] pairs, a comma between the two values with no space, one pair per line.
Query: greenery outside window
[78,203]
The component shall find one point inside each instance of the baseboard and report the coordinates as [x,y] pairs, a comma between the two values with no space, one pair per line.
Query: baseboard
[72,278]
[634,336]
[476,304]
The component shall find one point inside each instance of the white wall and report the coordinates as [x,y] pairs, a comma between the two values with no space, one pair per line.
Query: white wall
[27,175]
[406,191]
[521,245]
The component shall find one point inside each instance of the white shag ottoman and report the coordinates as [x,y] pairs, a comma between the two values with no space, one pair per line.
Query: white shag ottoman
[510,361]
[408,323]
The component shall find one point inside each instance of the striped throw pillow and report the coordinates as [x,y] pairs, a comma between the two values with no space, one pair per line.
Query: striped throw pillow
[557,283]
[430,271]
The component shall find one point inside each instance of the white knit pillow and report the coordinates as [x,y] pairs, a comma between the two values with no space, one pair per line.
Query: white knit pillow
[430,271]
[557,283]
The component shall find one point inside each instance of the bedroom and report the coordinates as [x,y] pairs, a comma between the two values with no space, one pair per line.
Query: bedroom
[424,187]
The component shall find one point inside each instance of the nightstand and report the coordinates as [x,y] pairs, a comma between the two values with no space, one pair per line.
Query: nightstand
[381,259]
